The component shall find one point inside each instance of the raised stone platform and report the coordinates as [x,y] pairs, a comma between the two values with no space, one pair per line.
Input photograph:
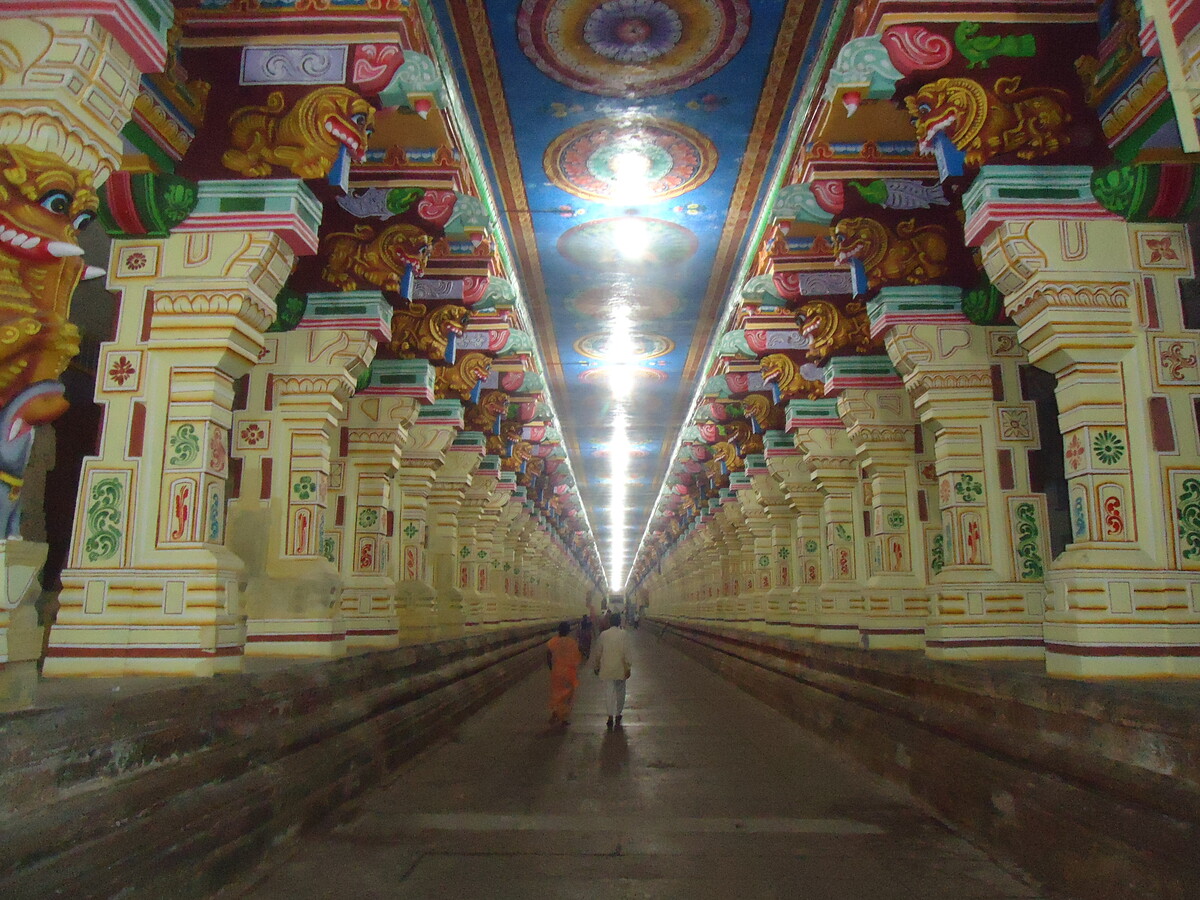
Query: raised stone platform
[1092,787]
[176,791]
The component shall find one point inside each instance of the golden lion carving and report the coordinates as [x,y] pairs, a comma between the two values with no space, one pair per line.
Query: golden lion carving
[522,453]
[724,452]
[366,257]
[768,415]
[482,416]
[43,207]
[305,139]
[456,382]
[421,332]
[833,331]
[910,255]
[983,123]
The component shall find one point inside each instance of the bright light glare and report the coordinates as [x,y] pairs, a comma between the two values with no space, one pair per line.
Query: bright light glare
[630,238]
[620,361]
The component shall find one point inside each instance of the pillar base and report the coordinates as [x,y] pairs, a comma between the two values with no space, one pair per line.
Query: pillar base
[838,628]
[977,620]
[20,634]
[895,618]
[321,638]
[116,650]
[371,632]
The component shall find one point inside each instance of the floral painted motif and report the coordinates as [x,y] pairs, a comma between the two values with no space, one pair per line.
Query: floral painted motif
[121,370]
[329,549]
[1160,249]
[895,519]
[1108,447]
[218,456]
[252,435]
[937,554]
[104,520]
[1114,521]
[368,518]
[410,531]
[784,553]
[464,552]
[185,443]
[1174,360]
[1075,452]
[841,532]
[1032,567]
[1079,519]
[810,546]
[968,489]
[764,561]
[1188,515]
[305,488]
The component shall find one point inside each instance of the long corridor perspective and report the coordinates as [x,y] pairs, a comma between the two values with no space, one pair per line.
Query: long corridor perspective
[704,793]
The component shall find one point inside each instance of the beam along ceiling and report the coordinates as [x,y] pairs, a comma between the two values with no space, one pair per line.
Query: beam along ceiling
[633,145]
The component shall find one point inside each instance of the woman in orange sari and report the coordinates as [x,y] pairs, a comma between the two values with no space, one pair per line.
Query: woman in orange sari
[564,659]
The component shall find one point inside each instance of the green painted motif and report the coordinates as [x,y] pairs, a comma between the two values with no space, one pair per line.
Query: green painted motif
[104,519]
[289,310]
[1188,515]
[464,552]
[368,518]
[784,552]
[329,549]
[305,488]
[969,489]
[895,519]
[1032,568]
[186,444]
[1108,447]
[810,546]
[841,532]
[983,305]
[400,199]
[482,554]
[980,49]
[410,531]
[763,561]
[937,554]
[507,566]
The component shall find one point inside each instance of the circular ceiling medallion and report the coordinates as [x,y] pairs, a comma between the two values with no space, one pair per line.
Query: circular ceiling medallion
[642,346]
[628,48]
[643,301]
[627,243]
[630,162]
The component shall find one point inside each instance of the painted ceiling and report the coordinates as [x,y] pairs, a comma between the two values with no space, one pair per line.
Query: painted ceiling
[632,144]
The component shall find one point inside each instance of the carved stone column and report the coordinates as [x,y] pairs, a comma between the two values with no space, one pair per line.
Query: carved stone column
[150,586]
[831,457]
[786,463]
[987,563]
[775,539]
[446,498]
[477,532]
[377,425]
[421,457]
[67,89]
[292,593]
[882,426]
[1096,302]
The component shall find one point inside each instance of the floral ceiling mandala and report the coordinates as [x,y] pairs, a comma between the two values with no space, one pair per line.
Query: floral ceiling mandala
[599,159]
[624,48]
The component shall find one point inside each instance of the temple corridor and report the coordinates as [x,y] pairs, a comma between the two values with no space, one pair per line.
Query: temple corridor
[705,793]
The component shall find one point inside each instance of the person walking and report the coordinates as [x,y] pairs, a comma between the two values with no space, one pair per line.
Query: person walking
[563,659]
[610,661]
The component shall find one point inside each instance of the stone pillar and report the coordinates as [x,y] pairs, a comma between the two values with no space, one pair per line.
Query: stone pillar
[446,498]
[774,539]
[987,564]
[831,457]
[477,522]
[1096,303]
[422,456]
[292,593]
[69,85]
[881,425]
[786,463]
[150,586]
[371,556]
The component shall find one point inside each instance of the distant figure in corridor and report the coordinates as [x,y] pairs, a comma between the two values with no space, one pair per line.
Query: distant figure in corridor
[563,659]
[585,635]
[611,663]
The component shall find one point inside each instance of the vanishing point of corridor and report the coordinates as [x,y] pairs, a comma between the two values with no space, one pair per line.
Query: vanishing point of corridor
[705,793]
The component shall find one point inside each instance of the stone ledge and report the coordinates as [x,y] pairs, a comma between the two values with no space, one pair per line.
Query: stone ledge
[1091,787]
[177,792]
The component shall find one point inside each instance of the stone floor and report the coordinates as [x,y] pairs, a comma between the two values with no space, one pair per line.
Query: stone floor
[705,793]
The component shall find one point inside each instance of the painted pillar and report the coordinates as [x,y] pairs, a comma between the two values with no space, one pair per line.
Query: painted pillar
[1096,302]
[987,563]
[379,418]
[786,463]
[831,457]
[150,585]
[774,539]
[477,527]
[422,456]
[446,497]
[70,82]
[292,594]
[882,426]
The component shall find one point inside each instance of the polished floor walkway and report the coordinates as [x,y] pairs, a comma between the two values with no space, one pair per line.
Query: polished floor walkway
[706,793]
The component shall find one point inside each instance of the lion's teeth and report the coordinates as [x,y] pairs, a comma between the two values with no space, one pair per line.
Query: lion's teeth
[62,248]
